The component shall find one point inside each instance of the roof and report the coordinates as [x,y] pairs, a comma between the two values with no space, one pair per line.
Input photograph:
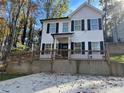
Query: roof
[56,34]
[88,5]
[54,19]
[62,34]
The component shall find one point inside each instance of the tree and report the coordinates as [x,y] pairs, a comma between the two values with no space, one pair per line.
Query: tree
[12,12]
[114,14]
[20,17]
[29,16]
[54,8]
[90,1]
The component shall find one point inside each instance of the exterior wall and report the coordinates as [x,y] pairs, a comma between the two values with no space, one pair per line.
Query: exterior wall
[87,56]
[78,36]
[119,34]
[46,56]
[96,67]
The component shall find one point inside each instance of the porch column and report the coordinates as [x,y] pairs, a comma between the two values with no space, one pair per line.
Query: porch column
[69,47]
[54,49]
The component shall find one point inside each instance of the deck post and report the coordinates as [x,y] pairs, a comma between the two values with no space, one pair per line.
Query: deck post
[69,47]
[54,49]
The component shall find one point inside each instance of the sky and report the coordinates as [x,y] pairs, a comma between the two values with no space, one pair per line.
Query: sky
[76,3]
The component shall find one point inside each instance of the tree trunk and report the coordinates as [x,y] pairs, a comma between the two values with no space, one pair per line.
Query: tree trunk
[26,24]
[30,37]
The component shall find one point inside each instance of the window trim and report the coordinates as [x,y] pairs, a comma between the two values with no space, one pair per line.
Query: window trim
[52,28]
[92,24]
[95,48]
[67,27]
[78,49]
[79,25]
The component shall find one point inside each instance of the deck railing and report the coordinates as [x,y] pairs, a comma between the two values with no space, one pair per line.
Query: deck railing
[66,53]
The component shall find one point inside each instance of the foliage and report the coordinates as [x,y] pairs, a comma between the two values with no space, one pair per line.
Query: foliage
[20,47]
[54,8]
[18,15]
[90,1]
[117,58]
[114,10]
[18,20]
[4,30]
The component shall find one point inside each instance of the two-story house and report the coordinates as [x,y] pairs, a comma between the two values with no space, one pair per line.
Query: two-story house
[78,36]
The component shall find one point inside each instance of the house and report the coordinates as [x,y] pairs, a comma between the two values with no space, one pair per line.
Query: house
[78,36]
[118,33]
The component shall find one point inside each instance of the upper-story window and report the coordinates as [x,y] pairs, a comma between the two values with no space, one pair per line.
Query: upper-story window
[77,25]
[65,27]
[94,24]
[52,28]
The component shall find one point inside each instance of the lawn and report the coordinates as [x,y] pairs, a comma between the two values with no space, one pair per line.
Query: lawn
[10,76]
[117,58]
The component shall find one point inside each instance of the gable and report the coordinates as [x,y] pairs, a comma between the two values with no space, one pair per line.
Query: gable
[86,11]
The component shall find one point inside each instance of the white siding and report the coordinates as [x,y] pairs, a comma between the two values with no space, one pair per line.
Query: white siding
[47,38]
[86,13]
[92,35]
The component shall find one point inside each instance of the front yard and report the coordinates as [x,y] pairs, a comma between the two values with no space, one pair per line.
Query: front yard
[117,58]
[63,83]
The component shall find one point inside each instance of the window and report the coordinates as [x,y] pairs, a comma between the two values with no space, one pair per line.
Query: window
[77,25]
[96,47]
[65,27]
[47,48]
[52,27]
[94,24]
[77,48]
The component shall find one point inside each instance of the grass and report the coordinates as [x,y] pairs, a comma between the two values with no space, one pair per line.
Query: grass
[10,76]
[117,58]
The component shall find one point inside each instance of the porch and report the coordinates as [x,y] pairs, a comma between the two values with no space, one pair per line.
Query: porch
[64,48]
[61,46]
[74,55]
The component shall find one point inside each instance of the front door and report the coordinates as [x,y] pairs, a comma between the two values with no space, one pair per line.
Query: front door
[63,50]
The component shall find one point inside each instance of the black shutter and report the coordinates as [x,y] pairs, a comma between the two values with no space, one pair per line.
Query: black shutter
[83,25]
[88,24]
[89,48]
[57,27]
[101,47]
[100,23]
[57,46]
[83,47]
[60,46]
[48,27]
[72,47]
[52,46]
[72,25]
[43,47]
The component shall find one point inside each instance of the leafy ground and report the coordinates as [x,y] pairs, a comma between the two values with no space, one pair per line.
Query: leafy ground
[117,58]
[63,83]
